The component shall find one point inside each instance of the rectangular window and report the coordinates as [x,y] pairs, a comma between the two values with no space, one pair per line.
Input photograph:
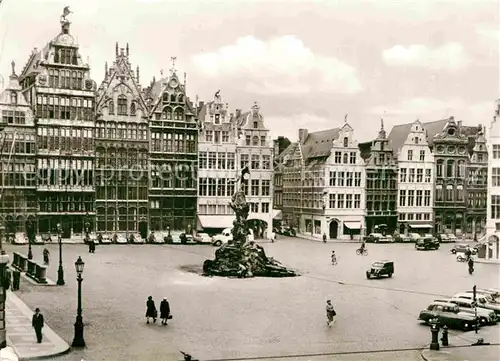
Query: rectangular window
[410,216]
[411,198]
[209,136]
[333,180]
[230,161]
[255,187]
[266,187]
[332,200]
[418,216]
[411,175]
[212,160]
[338,157]
[212,187]
[255,161]
[217,137]
[410,154]
[203,160]
[265,207]
[352,158]
[357,201]
[225,136]
[341,179]
[263,142]
[427,176]
[202,187]
[496,151]
[348,201]
[244,158]
[349,180]
[248,140]
[495,207]
[495,177]
[221,187]
[420,175]
[266,162]
[340,201]
[402,198]
[402,175]
[427,198]
[419,198]
[422,155]
[357,179]
[221,160]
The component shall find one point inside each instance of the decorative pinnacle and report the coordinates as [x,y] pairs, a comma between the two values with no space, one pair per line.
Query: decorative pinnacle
[13,65]
[345,117]
[173,70]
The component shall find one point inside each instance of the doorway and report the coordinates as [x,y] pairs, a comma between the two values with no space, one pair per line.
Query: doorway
[143,229]
[334,229]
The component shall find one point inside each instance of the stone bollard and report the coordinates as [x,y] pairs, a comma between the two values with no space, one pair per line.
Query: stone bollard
[444,338]
[16,280]
[23,263]
[435,334]
[15,260]
[40,273]
[31,268]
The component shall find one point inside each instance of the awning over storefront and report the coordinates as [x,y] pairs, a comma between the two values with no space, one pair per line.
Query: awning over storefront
[414,226]
[353,225]
[277,214]
[216,221]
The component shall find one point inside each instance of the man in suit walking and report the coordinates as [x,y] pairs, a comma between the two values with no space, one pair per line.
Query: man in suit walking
[37,323]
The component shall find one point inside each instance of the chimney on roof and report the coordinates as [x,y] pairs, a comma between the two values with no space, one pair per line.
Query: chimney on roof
[303,135]
[459,123]
[238,113]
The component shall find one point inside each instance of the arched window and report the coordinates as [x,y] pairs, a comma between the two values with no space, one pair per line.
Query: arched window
[255,140]
[167,113]
[180,99]
[13,98]
[416,140]
[111,107]
[346,142]
[450,165]
[178,115]
[439,168]
[461,169]
[172,98]
[122,105]
[346,158]
[132,108]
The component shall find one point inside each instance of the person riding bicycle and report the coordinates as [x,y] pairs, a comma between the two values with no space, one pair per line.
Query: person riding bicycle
[334,257]
[468,253]
[362,248]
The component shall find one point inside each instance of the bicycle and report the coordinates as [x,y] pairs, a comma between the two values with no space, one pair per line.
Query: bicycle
[334,260]
[360,252]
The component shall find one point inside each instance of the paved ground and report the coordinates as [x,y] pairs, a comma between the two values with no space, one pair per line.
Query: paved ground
[216,318]
[21,336]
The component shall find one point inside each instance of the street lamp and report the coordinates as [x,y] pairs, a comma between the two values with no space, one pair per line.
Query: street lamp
[78,341]
[60,271]
[30,253]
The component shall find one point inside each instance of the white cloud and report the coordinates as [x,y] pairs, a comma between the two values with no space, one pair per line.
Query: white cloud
[489,32]
[281,65]
[450,56]
[429,109]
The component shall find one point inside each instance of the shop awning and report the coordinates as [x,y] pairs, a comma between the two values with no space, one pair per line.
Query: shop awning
[352,225]
[277,214]
[414,226]
[216,221]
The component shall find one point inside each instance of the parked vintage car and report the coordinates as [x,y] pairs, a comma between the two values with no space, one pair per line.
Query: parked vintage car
[413,237]
[135,238]
[462,247]
[20,238]
[448,314]
[286,231]
[156,238]
[222,238]
[486,317]
[427,243]
[443,238]
[38,240]
[452,238]
[105,239]
[483,301]
[375,238]
[204,238]
[120,238]
[380,268]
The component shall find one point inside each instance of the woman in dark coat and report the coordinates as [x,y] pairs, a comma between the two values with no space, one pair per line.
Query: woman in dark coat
[150,309]
[164,311]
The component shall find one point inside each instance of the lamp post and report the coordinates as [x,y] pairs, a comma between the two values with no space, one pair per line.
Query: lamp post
[60,271]
[29,234]
[78,340]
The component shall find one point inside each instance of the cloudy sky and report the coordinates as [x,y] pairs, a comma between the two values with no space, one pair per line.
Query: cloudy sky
[307,63]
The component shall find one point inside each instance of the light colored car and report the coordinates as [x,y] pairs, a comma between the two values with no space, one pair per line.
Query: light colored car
[375,238]
[120,238]
[414,237]
[444,238]
[222,238]
[136,238]
[106,239]
[482,301]
[38,240]
[489,295]
[156,238]
[204,238]
[486,317]
[452,238]
[20,238]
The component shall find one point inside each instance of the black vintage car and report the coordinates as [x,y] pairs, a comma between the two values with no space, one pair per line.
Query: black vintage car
[427,243]
[380,268]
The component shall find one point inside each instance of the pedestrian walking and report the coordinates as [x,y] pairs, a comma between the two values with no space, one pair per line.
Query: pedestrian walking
[46,256]
[37,323]
[164,311]
[151,311]
[324,237]
[92,246]
[330,313]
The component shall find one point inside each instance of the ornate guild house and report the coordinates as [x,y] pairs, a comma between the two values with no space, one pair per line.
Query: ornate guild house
[56,82]
[122,148]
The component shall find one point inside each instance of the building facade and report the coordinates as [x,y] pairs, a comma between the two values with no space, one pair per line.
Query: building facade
[217,167]
[255,150]
[416,182]
[381,186]
[18,168]
[173,156]
[56,82]
[323,184]
[477,188]
[493,198]
[451,157]
[122,150]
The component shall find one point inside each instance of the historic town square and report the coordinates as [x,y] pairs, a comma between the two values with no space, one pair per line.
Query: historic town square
[249,180]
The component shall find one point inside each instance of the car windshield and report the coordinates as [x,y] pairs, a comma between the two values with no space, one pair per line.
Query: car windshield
[378,264]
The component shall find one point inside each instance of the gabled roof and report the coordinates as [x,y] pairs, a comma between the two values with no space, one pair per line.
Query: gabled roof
[399,133]
[159,87]
[319,144]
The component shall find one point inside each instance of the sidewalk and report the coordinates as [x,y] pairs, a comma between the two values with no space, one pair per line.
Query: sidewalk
[21,336]
[489,261]
[462,350]
[319,238]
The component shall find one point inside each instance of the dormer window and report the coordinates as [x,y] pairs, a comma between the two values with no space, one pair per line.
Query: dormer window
[346,142]
[111,107]
[451,131]
[255,125]
[122,105]
[255,140]
[132,108]
[217,118]
[13,98]
[416,140]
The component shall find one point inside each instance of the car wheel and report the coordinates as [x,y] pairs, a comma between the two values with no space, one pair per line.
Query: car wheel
[466,326]
[390,275]
[483,321]
[454,251]
[367,275]
[217,243]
